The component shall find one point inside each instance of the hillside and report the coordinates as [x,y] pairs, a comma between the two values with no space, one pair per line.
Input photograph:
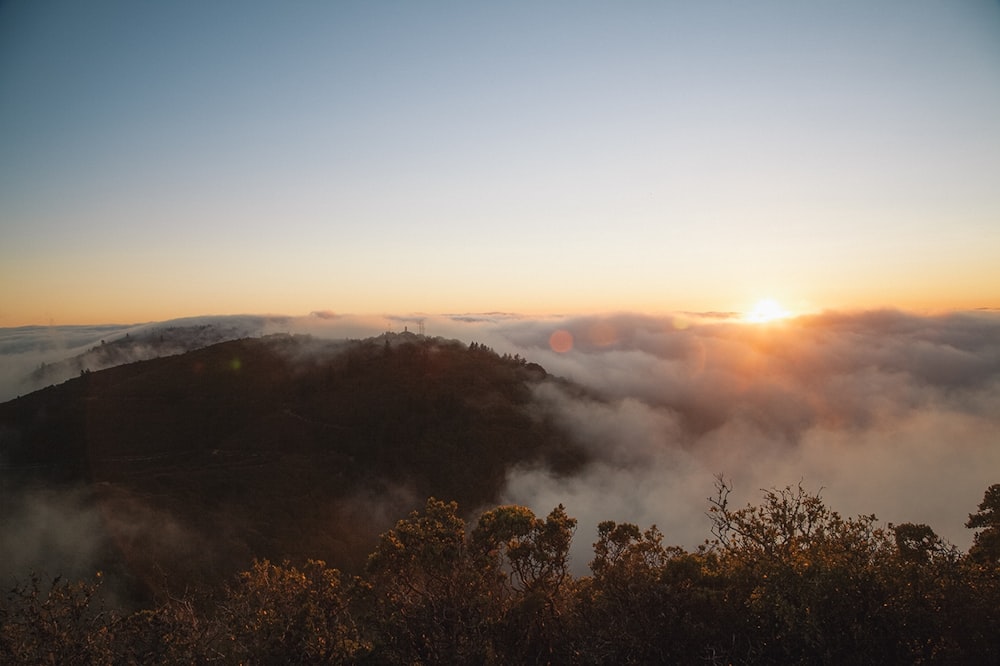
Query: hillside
[279,447]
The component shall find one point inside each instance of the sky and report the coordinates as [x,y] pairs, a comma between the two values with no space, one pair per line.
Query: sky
[173,159]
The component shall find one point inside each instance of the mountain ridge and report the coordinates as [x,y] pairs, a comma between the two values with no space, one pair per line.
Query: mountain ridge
[282,446]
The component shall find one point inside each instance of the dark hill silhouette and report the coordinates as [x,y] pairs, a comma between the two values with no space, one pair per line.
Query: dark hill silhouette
[279,447]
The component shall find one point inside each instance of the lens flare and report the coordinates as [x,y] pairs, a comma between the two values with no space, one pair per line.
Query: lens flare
[561,341]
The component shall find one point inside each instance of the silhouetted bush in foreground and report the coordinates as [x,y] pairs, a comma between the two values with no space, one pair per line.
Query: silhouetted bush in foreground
[785,581]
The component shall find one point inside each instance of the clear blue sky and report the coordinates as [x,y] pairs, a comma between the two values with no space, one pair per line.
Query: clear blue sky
[181,158]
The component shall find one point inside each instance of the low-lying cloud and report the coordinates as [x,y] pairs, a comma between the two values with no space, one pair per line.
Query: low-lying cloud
[888,412]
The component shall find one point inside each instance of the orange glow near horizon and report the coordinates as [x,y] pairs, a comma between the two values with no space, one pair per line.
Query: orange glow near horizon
[767,310]
[89,300]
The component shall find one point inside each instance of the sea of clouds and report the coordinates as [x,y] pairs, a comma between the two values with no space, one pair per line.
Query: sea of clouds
[884,412]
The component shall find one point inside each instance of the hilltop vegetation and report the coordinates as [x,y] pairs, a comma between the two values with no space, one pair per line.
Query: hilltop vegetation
[277,447]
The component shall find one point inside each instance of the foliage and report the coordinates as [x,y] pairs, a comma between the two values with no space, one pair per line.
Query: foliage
[807,579]
[280,614]
[537,590]
[784,581]
[647,603]
[986,547]
[59,623]
[425,597]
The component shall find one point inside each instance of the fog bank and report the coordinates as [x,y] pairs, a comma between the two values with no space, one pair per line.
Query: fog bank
[887,412]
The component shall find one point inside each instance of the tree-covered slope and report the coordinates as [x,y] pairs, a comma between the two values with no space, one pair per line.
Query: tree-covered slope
[275,447]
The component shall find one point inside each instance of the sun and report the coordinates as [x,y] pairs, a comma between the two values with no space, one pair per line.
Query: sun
[766,310]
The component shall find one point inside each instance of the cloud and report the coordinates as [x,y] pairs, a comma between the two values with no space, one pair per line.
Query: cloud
[888,412]
[77,532]
[49,532]
[26,349]
[33,357]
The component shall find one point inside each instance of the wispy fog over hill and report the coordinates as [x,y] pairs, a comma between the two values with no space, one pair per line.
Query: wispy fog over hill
[37,356]
[280,446]
[887,411]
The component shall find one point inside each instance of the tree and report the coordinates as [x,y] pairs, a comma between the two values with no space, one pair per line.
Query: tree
[58,623]
[926,595]
[426,598]
[176,631]
[537,550]
[282,614]
[918,543]
[809,581]
[986,543]
[647,603]
[981,580]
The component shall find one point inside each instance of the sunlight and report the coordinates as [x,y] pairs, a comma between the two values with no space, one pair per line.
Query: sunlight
[767,310]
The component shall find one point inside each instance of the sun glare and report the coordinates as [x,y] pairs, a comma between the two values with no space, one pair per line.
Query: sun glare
[767,310]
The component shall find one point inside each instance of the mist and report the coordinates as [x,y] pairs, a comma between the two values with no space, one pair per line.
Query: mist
[883,412]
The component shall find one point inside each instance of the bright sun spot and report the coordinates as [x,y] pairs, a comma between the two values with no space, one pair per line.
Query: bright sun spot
[767,310]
